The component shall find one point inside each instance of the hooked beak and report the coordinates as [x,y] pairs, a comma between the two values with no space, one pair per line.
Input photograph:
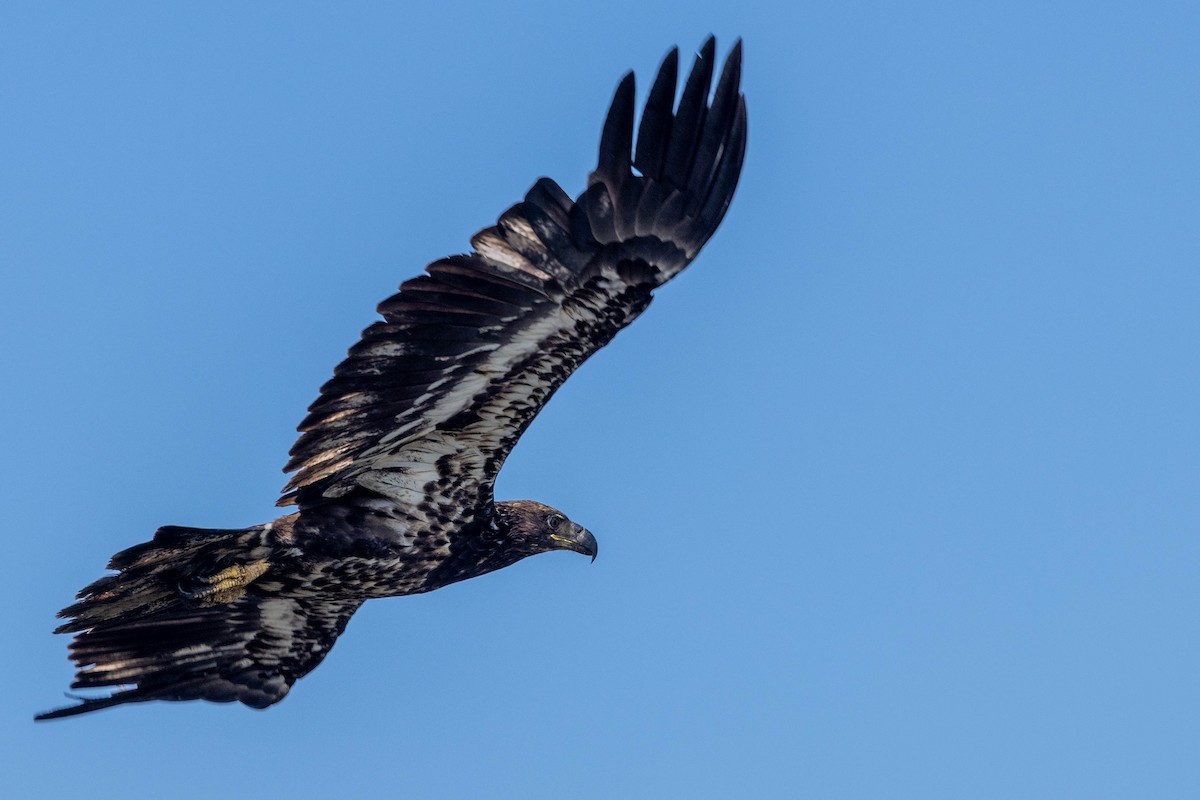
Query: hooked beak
[579,539]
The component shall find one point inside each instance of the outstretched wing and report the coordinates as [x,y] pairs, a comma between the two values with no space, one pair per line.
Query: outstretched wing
[433,397]
[252,651]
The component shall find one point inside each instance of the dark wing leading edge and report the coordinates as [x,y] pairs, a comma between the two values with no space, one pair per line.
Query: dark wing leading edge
[435,395]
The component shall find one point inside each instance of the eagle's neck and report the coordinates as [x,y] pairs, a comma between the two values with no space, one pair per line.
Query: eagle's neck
[484,546]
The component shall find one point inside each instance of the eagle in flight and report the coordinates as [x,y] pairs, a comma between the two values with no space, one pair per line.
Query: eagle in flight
[397,458]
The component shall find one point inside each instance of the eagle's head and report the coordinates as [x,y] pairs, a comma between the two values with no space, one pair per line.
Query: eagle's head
[531,528]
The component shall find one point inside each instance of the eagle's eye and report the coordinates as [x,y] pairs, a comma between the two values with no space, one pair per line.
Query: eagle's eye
[554,521]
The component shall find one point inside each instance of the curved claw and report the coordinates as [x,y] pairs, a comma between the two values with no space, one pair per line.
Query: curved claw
[225,586]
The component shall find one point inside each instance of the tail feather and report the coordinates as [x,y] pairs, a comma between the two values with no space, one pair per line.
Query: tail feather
[251,651]
[139,630]
[88,704]
[152,572]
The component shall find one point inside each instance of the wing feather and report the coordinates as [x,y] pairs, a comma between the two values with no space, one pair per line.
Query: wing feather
[689,118]
[654,133]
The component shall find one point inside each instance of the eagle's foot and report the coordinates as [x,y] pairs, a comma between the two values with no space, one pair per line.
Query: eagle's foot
[225,586]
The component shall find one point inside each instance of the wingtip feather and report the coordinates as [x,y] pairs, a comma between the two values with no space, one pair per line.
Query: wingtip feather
[616,139]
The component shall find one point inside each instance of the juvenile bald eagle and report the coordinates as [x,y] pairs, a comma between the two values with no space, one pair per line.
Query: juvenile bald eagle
[397,457]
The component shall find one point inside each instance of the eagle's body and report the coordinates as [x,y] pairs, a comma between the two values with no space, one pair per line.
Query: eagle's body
[398,455]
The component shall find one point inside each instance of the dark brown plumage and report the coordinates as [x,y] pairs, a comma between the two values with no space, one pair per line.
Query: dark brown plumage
[397,457]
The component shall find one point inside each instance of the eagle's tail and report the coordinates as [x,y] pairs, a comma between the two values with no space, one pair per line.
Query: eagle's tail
[162,574]
[186,617]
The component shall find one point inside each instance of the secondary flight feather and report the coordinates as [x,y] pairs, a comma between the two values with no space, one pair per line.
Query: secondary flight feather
[397,458]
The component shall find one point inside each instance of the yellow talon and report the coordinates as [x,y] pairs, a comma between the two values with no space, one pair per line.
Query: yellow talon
[227,585]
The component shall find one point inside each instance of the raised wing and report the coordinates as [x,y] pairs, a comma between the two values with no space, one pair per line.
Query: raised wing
[431,400]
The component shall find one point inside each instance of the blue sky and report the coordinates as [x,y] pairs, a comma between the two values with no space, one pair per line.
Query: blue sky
[896,487]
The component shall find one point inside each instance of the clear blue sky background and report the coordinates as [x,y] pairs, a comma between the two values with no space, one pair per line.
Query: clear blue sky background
[896,487]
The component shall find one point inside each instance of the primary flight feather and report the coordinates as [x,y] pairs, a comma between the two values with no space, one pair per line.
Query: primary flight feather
[397,458]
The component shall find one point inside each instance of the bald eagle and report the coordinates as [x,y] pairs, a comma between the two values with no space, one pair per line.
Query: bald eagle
[397,458]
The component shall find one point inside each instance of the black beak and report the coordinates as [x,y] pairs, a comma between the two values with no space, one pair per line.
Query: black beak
[579,539]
